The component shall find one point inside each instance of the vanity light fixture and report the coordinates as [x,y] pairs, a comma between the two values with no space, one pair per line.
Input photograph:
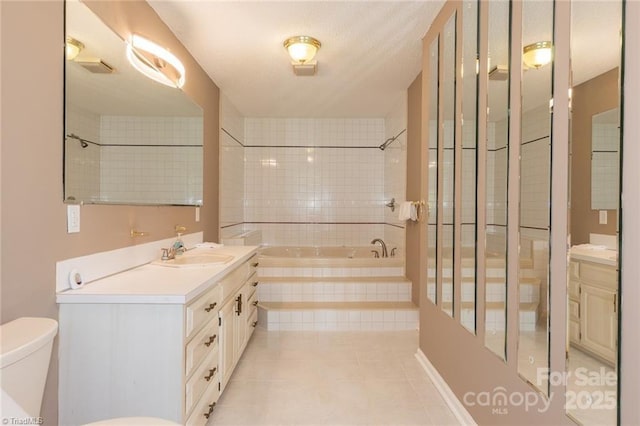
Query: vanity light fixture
[302,50]
[72,48]
[155,62]
[537,54]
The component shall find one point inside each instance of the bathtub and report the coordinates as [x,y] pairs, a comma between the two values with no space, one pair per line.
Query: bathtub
[312,257]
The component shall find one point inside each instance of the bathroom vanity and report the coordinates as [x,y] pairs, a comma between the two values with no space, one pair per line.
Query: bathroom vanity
[155,340]
[593,302]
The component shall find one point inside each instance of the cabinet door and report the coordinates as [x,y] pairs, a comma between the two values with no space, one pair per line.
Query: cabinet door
[599,321]
[226,343]
[239,322]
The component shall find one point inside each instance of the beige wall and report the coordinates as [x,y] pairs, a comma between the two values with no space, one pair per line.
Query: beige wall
[414,182]
[33,215]
[589,98]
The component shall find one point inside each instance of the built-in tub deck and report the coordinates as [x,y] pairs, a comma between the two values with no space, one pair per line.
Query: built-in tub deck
[334,288]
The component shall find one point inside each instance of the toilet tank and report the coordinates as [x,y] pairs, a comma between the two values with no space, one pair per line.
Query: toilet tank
[25,352]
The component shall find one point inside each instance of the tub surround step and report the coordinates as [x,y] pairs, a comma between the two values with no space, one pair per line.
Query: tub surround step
[338,315]
[346,280]
[337,305]
[326,272]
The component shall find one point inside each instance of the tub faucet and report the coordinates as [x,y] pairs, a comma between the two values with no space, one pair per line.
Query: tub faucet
[384,246]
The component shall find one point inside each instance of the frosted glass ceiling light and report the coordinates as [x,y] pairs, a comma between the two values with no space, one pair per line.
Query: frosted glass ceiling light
[72,48]
[302,48]
[537,55]
[155,62]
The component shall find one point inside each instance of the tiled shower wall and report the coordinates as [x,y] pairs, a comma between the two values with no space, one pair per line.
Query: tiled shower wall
[395,162]
[231,170]
[139,173]
[82,165]
[315,181]
[134,174]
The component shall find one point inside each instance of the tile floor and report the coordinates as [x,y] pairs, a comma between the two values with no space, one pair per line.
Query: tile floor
[331,378]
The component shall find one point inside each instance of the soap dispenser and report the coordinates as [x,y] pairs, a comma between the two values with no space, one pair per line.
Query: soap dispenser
[178,245]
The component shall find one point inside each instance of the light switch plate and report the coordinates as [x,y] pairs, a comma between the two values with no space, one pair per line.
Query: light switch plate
[603,217]
[73,218]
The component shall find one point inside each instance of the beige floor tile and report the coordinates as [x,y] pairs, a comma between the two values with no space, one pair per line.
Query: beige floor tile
[331,378]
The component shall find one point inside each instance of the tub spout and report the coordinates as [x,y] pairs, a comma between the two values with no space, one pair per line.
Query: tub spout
[384,246]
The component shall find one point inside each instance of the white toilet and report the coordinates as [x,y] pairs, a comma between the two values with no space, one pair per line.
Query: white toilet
[25,352]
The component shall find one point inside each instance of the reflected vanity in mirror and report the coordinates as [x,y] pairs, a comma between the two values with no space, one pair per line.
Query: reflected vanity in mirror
[593,281]
[128,139]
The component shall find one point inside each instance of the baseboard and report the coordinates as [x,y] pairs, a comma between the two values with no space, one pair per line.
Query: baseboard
[454,404]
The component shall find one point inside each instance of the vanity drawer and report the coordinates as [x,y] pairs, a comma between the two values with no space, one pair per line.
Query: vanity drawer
[204,407]
[574,289]
[200,346]
[232,282]
[574,269]
[252,321]
[204,309]
[253,264]
[207,373]
[574,310]
[602,276]
[252,301]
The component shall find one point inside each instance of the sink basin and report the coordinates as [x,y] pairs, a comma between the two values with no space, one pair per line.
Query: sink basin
[195,260]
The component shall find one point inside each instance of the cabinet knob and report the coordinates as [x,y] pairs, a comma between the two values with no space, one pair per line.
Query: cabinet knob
[210,307]
[255,284]
[254,265]
[253,324]
[208,413]
[255,303]
[212,372]
[210,341]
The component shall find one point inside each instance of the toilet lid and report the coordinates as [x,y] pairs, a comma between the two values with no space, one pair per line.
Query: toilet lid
[133,421]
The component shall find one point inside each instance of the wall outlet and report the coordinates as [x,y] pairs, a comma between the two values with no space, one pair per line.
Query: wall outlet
[73,218]
[603,217]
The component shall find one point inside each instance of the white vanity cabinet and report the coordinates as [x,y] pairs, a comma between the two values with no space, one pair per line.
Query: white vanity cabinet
[237,310]
[145,354]
[593,308]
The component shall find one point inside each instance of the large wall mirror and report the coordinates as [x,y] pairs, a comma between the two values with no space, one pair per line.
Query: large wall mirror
[593,282]
[535,197]
[497,154]
[128,139]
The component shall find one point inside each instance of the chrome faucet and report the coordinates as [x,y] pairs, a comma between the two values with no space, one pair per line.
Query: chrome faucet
[384,246]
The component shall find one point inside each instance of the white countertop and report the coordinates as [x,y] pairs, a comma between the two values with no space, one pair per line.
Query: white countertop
[595,254]
[152,283]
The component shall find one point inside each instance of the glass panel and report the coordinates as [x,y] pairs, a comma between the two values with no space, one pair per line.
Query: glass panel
[496,191]
[593,296]
[433,171]
[448,161]
[469,158]
[128,139]
[535,208]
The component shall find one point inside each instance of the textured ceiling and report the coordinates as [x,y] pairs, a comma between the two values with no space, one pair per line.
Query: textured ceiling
[371,52]
[371,49]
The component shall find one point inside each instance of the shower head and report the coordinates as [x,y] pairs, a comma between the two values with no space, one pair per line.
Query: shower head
[83,144]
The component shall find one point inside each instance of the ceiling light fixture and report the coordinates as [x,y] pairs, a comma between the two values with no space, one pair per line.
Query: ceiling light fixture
[302,50]
[155,62]
[538,54]
[72,48]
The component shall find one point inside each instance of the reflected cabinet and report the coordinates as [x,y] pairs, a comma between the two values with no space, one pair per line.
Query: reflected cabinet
[521,139]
